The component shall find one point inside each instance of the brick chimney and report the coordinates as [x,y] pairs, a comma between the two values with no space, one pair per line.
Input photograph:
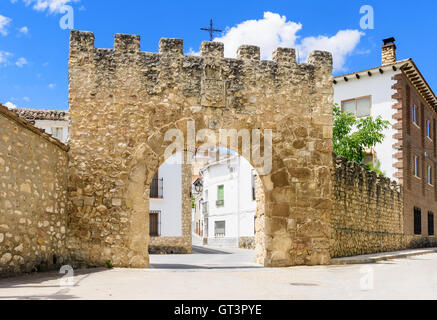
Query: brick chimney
[388,51]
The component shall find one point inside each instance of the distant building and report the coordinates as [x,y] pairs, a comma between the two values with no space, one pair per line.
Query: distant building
[171,208]
[228,203]
[54,122]
[166,200]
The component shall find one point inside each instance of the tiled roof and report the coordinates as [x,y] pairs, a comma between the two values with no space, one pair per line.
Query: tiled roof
[13,116]
[41,114]
[409,69]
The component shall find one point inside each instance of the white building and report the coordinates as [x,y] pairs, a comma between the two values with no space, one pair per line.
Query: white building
[229,204]
[166,199]
[370,93]
[54,122]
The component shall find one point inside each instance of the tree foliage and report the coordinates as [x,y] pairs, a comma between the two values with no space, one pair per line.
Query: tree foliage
[352,136]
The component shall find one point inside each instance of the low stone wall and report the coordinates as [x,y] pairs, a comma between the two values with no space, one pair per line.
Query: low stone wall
[246,243]
[170,245]
[368,212]
[33,197]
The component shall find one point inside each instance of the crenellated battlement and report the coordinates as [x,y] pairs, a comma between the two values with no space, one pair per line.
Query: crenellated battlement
[82,41]
[209,80]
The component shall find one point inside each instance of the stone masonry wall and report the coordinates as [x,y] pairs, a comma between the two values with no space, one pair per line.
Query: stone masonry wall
[33,197]
[368,212]
[122,103]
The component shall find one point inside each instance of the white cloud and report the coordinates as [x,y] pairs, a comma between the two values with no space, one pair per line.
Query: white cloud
[269,33]
[53,6]
[4,57]
[24,30]
[21,62]
[4,23]
[275,31]
[10,105]
[52,86]
[341,45]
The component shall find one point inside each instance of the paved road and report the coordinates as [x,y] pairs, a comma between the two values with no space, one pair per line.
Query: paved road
[206,258]
[411,278]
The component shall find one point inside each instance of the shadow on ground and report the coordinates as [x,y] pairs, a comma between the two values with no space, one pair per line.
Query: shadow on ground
[203,250]
[199,267]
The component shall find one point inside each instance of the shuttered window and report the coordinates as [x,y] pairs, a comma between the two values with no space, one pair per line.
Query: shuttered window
[154,224]
[220,195]
[220,228]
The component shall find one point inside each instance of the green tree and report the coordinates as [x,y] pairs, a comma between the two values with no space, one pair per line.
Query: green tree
[352,136]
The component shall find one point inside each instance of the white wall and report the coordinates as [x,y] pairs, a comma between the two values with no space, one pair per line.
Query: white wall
[171,204]
[47,125]
[237,197]
[379,86]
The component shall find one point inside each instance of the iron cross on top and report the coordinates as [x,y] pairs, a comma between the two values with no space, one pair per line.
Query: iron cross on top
[211,30]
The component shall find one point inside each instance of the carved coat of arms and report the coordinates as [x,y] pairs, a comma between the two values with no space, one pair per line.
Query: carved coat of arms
[213,91]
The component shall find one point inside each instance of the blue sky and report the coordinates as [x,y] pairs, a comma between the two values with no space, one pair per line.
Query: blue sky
[34,48]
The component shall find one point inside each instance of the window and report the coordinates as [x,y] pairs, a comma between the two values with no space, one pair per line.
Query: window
[205,207]
[428,129]
[416,166]
[253,187]
[220,195]
[417,221]
[220,228]
[154,223]
[58,133]
[429,174]
[360,107]
[157,188]
[415,116]
[430,223]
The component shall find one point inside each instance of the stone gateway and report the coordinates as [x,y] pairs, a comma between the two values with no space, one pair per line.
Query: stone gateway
[123,101]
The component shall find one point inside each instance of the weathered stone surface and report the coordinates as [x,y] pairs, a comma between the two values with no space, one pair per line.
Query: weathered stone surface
[5,259]
[36,180]
[123,101]
[368,212]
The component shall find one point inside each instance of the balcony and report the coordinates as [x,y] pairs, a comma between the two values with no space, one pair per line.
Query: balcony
[220,203]
[157,189]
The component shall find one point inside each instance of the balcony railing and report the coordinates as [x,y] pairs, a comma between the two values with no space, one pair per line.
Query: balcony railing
[157,189]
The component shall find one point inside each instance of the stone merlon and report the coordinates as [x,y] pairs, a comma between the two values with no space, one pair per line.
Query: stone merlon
[130,44]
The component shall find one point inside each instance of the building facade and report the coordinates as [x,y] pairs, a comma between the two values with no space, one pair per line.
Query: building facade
[53,122]
[398,92]
[228,203]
